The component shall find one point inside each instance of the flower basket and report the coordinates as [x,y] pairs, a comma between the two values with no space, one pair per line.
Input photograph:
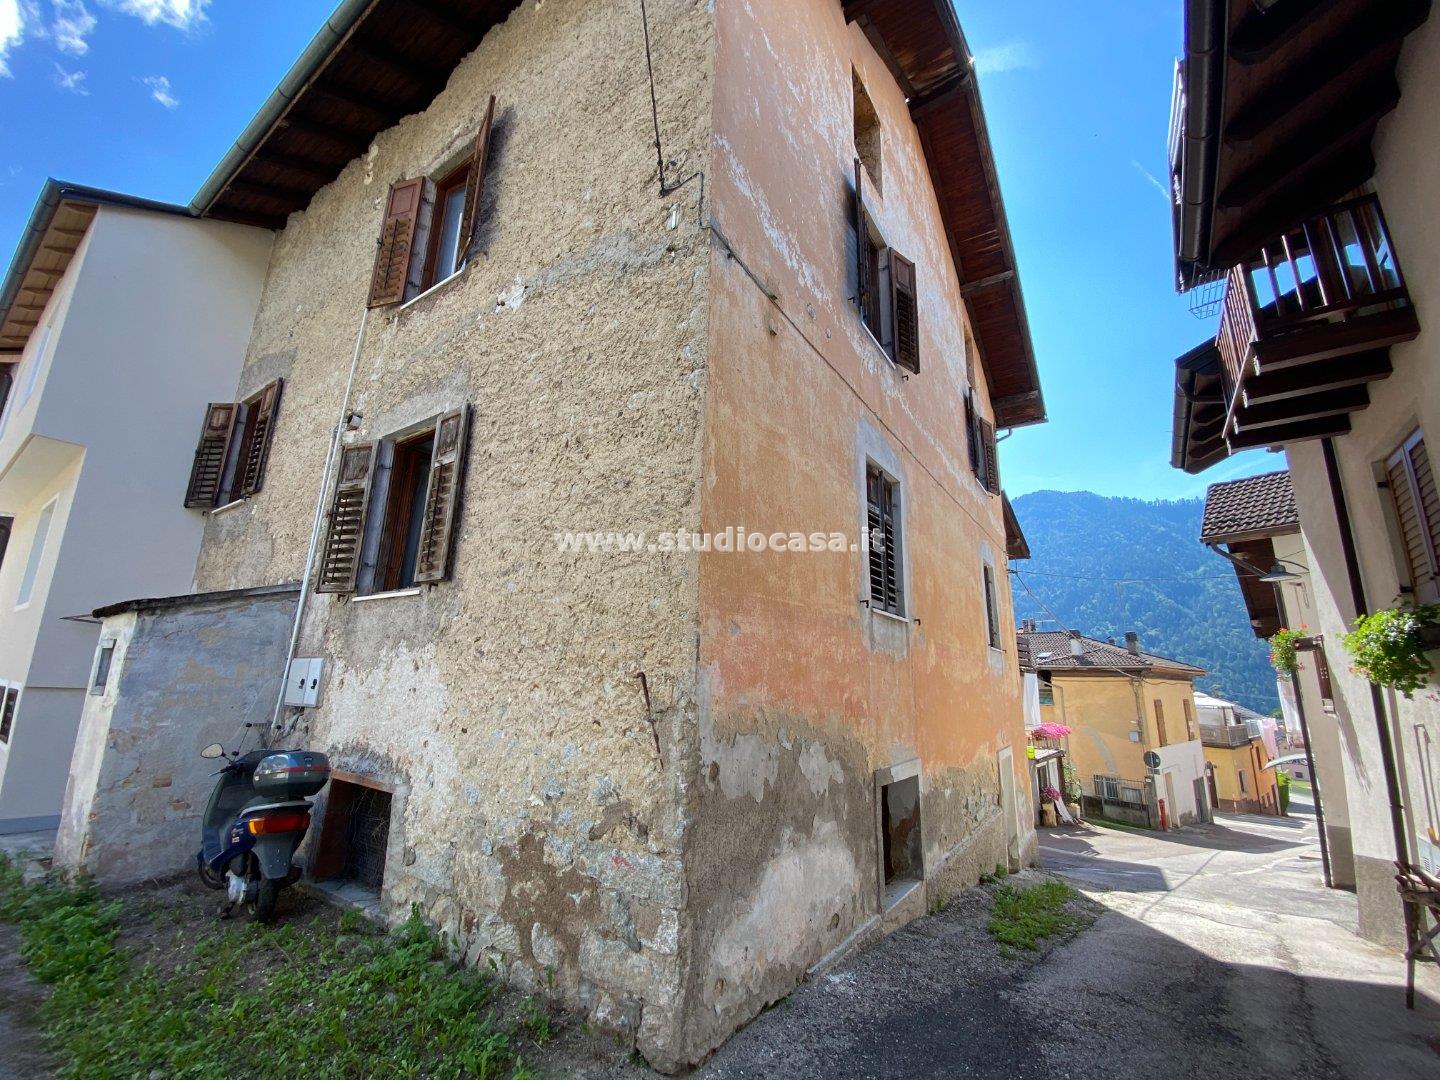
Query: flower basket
[1388,647]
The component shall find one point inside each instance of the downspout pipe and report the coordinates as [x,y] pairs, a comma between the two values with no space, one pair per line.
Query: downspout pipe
[1377,699]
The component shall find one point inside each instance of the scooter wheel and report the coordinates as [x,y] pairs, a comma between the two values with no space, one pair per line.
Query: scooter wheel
[262,908]
[211,879]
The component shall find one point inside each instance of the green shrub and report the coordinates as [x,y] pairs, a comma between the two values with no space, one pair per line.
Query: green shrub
[1283,781]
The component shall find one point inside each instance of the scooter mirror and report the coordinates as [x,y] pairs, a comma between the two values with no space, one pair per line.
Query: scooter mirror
[214,750]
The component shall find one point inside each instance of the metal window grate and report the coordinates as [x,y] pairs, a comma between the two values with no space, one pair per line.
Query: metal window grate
[367,837]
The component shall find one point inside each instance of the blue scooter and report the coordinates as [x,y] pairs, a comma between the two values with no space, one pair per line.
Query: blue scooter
[258,814]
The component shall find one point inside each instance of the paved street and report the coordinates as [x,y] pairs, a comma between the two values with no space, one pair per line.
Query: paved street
[1216,952]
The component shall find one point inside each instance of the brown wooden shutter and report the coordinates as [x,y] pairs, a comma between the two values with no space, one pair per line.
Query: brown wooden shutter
[905,310]
[340,563]
[867,295]
[972,435]
[1160,722]
[475,186]
[1417,512]
[207,472]
[1322,672]
[990,477]
[397,240]
[259,431]
[442,498]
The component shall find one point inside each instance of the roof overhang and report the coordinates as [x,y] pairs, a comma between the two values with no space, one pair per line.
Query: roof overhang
[373,62]
[922,44]
[1016,546]
[1198,428]
[57,225]
[1276,111]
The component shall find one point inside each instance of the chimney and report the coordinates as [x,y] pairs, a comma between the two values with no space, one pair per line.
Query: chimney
[1132,642]
[1028,626]
[1077,646]
[1110,640]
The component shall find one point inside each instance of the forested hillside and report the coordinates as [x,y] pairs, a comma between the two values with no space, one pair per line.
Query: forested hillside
[1106,565]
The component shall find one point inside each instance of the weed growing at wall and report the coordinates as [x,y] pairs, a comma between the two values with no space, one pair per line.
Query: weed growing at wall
[346,1002]
[1024,917]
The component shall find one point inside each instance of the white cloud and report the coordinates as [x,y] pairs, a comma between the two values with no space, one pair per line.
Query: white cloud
[1011,56]
[74,81]
[12,31]
[73,24]
[159,87]
[181,14]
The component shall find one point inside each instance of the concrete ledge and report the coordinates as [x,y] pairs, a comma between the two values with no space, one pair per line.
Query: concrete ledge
[43,823]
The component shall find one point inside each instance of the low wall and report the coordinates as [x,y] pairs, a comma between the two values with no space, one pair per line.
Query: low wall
[186,672]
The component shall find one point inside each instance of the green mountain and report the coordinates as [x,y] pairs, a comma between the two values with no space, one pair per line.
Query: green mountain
[1105,565]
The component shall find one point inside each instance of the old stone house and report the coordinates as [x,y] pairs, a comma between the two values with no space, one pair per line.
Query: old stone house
[561,267]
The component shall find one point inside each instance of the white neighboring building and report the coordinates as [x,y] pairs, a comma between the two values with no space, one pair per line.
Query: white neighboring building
[120,319]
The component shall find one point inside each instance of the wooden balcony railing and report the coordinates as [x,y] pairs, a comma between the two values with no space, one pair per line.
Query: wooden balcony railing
[1314,279]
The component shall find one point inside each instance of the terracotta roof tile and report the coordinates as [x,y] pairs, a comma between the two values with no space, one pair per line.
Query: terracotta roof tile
[1252,507]
[1049,650]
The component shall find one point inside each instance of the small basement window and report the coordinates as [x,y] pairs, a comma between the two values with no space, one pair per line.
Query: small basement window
[355,837]
[900,839]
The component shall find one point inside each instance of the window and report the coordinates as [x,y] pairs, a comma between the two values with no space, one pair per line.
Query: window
[1189,719]
[886,293]
[992,607]
[393,511]
[883,541]
[233,449]
[355,835]
[1047,688]
[7,380]
[404,267]
[980,441]
[1417,515]
[37,549]
[1160,722]
[6,525]
[104,658]
[868,137]
[1241,774]
[9,697]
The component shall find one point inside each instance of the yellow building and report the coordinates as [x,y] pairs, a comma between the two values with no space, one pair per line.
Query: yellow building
[1235,752]
[1122,704]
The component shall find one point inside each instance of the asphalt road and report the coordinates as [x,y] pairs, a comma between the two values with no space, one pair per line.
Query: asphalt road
[1217,953]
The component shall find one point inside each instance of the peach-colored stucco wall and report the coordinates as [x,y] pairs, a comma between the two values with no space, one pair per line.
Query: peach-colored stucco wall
[806,693]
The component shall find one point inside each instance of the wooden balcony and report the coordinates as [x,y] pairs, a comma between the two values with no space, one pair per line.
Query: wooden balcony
[1307,324]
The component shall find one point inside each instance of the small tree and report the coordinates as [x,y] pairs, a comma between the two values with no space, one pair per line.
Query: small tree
[1282,779]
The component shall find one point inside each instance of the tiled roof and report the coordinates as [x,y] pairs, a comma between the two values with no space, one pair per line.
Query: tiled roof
[1244,509]
[1049,650]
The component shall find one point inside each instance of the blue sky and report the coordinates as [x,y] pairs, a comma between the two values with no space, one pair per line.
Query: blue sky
[145,96]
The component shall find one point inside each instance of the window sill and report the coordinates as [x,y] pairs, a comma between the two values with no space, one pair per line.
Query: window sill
[391,595]
[442,283]
[890,615]
[231,505]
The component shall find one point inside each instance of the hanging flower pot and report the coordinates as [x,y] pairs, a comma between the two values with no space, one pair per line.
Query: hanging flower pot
[1388,647]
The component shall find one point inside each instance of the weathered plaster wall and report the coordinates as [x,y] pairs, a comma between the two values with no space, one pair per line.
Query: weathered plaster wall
[1408,158]
[533,820]
[804,693]
[181,678]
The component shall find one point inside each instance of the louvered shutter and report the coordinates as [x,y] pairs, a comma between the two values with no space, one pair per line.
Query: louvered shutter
[1417,512]
[397,240]
[905,310]
[207,472]
[992,457]
[867,295]
[8,697]
[442,498]
[340,564]
[475,187]
[883,553]
[1322,673]
[972,435]
[259,431]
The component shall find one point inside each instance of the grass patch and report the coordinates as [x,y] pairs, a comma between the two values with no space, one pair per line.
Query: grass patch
[332,1001]
[1119,826]
[1023,918]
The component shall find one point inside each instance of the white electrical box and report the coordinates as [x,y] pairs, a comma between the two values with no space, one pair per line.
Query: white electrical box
[302,684]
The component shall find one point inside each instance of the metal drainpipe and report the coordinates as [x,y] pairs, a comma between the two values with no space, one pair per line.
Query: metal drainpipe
[341,423]
[1377,699]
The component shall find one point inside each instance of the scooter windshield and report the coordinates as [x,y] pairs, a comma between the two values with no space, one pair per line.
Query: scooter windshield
[232,793]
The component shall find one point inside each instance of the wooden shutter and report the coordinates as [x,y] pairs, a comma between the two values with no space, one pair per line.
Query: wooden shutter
[255,448]
[475,187]
[8,697]
[340,563]
[1160,722]
[867,295]
[397,239]
[207,472]
[905,310]
[884,555]
[1417,512]
[991,479]
[442,498]
[1322,673]
[972,436]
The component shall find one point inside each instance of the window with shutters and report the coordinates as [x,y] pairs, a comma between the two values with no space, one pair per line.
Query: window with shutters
[1416,503]
[1189,710]
[394,508]
[981,443]
[1160,723]
[882,499]
[992,607]
[886,294]
[234,449]
[430,230]
[9,700]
